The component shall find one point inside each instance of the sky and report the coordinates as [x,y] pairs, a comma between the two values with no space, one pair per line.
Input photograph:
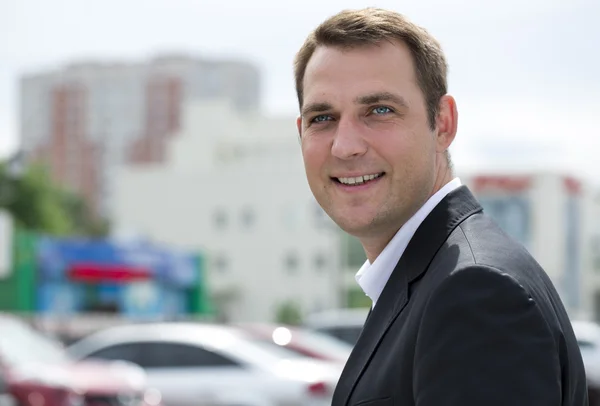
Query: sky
[525,74]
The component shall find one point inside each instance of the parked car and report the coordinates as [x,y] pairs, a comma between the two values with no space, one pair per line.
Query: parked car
[588,338]
[36,371]
[343,324]
[6,397]
[192,363]
[301,341]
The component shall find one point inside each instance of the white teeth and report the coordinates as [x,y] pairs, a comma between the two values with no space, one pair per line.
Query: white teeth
[358,180]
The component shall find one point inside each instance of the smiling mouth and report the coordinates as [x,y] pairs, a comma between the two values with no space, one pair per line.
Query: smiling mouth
[359,180]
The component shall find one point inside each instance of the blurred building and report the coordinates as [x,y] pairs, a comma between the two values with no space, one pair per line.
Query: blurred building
[234,187]
[86,118]
[556,218]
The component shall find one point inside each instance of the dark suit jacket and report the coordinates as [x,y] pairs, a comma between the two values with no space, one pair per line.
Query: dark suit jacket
[467,318]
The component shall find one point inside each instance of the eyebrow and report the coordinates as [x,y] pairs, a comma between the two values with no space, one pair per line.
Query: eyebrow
[374,98]
[316,108]
[382,97]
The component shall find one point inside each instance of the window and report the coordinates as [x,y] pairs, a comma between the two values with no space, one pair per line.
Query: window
[321,219]
[583,344]
[119,352]
[512,213]
[320,261]
[291,217]
[150,355]
[586,347]
[353,253]
[176,355]
[348,334]
[291,262]
[248,217]
[220,219]
[220,263]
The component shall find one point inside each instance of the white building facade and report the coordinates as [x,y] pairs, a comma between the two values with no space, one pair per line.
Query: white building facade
[85,119]
[234,187]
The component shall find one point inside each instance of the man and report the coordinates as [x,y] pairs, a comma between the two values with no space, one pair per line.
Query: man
[462,315]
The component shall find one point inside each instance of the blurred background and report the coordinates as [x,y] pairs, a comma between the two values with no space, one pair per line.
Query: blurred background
[155,220]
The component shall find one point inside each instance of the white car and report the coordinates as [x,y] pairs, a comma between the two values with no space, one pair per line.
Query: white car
[588,338]
[6,399]
[343,324]
[199,364]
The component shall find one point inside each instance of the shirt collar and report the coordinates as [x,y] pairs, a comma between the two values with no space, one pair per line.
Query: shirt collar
[373,277]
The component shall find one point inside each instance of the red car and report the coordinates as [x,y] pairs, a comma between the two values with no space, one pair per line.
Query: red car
[301,341]
[36,371]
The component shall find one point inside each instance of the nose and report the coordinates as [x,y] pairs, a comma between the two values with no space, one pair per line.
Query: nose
[348,142]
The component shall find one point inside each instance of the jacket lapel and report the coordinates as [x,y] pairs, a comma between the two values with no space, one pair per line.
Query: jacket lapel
[428,239]
[390,304]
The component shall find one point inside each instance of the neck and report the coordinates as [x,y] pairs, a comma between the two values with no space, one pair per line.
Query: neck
[444,176]
[375,243]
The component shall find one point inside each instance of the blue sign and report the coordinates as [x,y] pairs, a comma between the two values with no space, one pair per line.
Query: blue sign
[58,298]
[55,256]
[141,299]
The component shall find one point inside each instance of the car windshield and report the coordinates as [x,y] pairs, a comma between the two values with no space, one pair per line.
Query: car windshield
[348,334]
[20,344]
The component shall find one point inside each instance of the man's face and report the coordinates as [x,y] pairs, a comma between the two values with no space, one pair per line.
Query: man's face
[370,156]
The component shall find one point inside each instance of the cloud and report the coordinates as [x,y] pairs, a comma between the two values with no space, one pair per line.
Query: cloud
[528,134]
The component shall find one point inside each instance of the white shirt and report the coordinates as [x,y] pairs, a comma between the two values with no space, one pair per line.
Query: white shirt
[373,277]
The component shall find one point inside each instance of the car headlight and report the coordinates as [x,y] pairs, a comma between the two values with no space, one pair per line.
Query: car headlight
[152,397]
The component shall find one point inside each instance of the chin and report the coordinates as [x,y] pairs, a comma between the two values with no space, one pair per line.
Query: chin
[354,227]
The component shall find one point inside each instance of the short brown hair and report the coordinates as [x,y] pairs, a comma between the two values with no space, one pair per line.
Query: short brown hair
[371,26]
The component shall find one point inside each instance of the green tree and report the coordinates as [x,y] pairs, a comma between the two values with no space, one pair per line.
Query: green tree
[38,204]
[289,313]
[83,222]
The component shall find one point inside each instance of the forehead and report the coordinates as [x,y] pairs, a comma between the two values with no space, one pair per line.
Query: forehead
[333,72]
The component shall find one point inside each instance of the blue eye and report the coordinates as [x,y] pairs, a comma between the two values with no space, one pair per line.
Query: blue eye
[381,110]
[321,118]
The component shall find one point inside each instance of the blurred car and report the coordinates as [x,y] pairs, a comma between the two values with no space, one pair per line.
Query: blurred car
[36,371]
[6,398]
[301,341]
[343,324]
[588,338]
[194,363]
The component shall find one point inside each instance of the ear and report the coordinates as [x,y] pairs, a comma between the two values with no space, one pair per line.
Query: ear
[299,125]
[446,123]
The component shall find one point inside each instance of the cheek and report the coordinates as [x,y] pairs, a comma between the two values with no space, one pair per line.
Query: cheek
[314,156]
[393,147]
[403,144]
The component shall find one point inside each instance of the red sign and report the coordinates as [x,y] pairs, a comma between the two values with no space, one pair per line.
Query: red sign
[93,273]
[502,183]
[572,185]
